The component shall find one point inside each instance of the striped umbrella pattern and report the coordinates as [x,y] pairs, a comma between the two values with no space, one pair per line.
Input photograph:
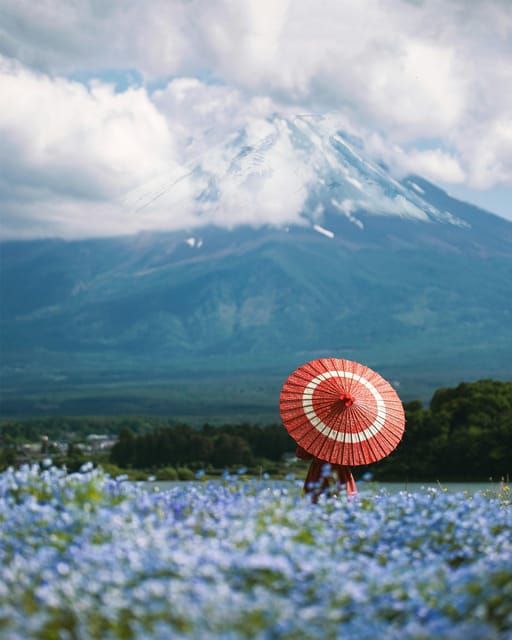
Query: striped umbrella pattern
[342,412]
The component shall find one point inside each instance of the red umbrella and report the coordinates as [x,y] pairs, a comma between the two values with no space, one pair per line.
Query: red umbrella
[342,412]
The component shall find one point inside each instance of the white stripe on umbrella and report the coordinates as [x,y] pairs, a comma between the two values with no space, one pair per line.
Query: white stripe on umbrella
[340,436]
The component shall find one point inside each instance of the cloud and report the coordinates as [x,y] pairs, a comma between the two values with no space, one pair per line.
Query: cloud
[237,161]
[434,164]
[80,161]
[61,37]
[409,70]
[378,60]
[488,150]
[69,147]
[427,84]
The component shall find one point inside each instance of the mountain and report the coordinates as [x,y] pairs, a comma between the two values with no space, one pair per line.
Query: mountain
[398,275]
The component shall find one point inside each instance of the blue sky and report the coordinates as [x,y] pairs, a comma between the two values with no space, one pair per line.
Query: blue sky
[109,103]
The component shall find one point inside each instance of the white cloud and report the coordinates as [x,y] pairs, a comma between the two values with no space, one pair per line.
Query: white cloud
[270,187]
[488,149]
[67,147]
[267,184]
[80,161]
[409,70]
[63,37]
[433,164]
[427,84]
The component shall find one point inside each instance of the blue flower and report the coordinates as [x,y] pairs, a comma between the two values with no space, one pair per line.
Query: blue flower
[86,555]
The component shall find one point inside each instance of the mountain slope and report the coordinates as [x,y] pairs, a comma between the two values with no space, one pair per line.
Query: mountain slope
[419,290]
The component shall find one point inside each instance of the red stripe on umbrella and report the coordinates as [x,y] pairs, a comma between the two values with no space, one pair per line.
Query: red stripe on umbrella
[342,412]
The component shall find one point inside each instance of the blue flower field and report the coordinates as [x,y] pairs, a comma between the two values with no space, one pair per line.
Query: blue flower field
[88,556]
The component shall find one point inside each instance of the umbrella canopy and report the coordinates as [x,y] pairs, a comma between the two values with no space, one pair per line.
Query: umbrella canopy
[342,412]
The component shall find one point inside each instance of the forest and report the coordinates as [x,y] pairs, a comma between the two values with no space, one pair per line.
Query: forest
[464,434]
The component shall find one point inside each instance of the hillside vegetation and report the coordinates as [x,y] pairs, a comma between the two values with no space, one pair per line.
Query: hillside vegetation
[117,325]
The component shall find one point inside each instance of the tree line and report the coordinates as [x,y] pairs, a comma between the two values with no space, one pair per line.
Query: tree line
[465,433]
[217,447]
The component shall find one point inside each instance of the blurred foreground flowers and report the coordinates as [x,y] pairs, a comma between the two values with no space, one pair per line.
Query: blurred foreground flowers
[87,556]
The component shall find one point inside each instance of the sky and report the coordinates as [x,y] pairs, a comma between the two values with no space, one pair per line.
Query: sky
[108,109]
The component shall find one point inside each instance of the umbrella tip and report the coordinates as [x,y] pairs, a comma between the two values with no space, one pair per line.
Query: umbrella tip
[346,399]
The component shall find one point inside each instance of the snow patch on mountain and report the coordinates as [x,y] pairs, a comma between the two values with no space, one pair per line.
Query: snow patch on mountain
[416,187]
[345,208]
[194,242]
[323,231]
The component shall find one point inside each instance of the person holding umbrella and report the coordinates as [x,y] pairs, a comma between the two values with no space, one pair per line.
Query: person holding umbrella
[321,475]
[340,413]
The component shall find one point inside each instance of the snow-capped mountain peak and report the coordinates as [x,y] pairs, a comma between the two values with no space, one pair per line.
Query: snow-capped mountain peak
[285,170]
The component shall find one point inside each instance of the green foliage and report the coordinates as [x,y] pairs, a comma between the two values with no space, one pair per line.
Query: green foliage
[465,434]
[184,473]
[7,457]
[111,469]
[166,474]
[219,447]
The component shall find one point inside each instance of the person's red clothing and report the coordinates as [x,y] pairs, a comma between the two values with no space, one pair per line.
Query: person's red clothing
[316,484]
